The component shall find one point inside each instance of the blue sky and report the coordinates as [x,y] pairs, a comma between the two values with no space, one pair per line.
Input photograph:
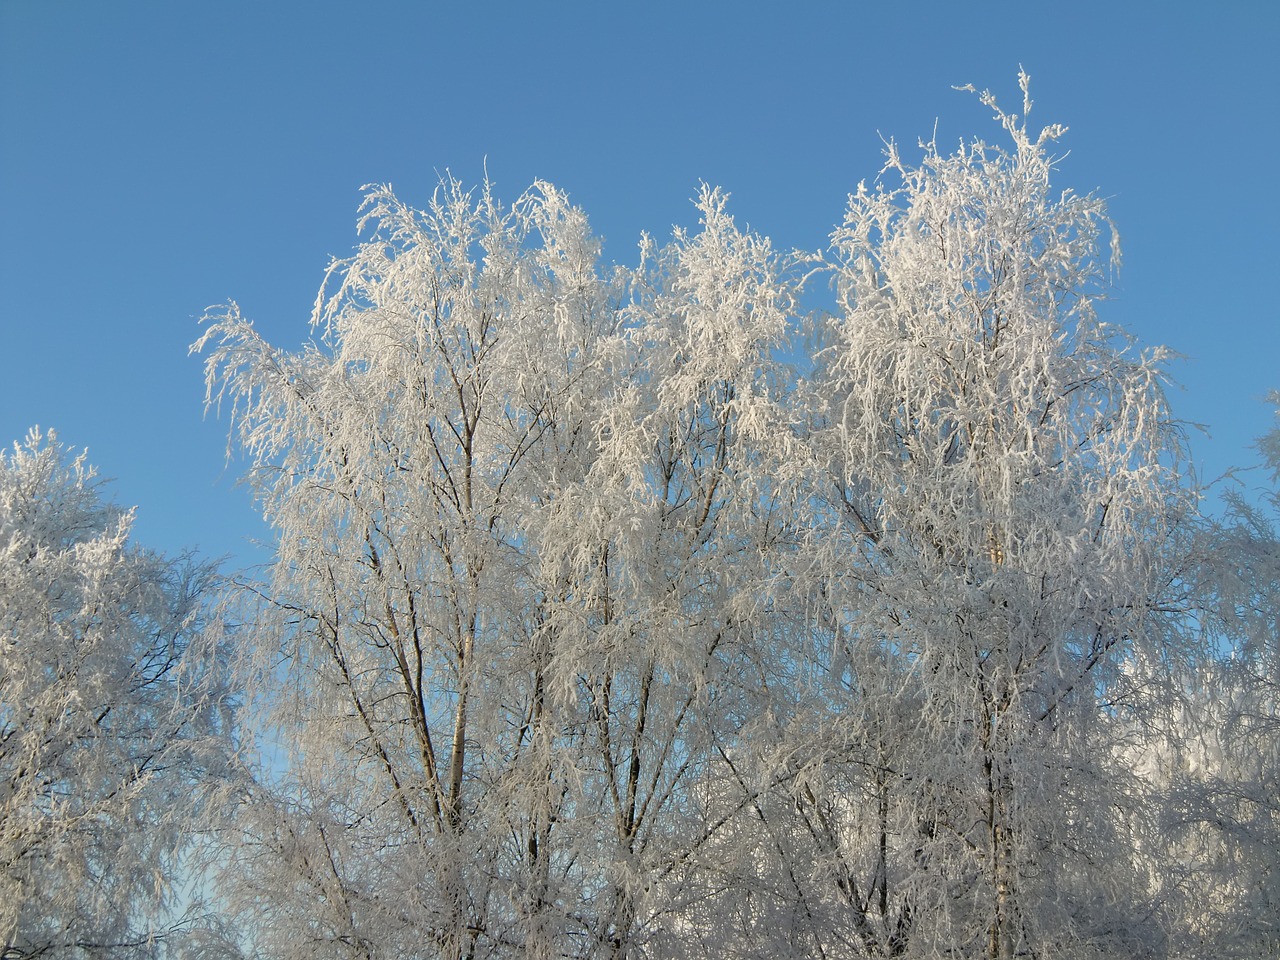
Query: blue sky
[160,157]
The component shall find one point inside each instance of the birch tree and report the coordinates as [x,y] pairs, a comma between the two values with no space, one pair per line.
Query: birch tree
[403,459]
[596,629]
[1215,768]
[999,523]
[517,509]
[683,516]
[109,716]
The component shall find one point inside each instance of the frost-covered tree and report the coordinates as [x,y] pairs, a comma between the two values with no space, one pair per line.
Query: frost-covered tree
[996,526]
[108,716]
[683,514]
[407,460]
[1214,765]
[519,512]
[596,629]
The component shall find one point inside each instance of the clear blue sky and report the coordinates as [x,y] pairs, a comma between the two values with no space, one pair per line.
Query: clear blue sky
[159,157]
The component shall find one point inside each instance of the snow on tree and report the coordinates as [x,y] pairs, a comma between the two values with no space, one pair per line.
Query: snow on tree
[1214,759]
[403,460]
[107,715]
[518,517]
[596,629]
[684,517]
[998,530]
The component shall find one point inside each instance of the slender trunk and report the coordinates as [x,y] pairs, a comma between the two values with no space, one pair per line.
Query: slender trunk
[1000,934]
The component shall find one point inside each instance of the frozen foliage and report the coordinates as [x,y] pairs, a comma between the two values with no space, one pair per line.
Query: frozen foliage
[519,508]
[597,630]
[1218,760]
[995,537]
[106,715]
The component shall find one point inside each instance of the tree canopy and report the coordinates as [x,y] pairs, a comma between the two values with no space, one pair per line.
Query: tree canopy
[109,715]
[647,611]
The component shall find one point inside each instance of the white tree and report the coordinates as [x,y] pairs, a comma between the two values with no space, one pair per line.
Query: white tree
[1215,768]
[515,508]
[108,716]
[996,522]
[596,630]
[403,461]
[680,519]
